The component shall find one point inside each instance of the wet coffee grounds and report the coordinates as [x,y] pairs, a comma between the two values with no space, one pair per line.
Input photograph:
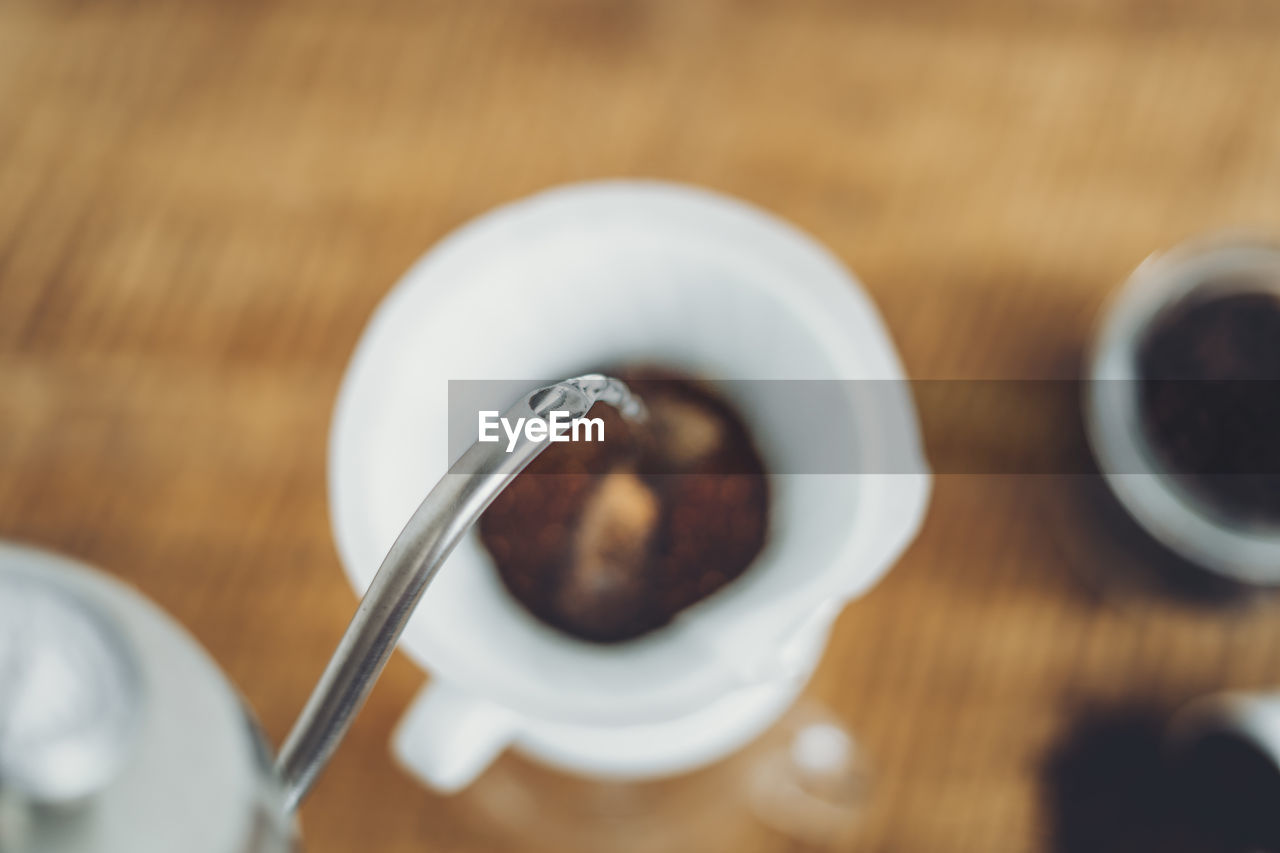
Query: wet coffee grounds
[1210,399]
[608,540]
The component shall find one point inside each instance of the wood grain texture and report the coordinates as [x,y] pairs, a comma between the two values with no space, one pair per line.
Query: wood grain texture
[201,203]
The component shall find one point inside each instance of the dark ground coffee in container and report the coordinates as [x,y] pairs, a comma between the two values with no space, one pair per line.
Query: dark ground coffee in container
[607,541]
[1210,396]
[1232,792]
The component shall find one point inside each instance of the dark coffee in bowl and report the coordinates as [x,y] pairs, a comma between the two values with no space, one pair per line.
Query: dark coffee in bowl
[608,540]
[1210,397]
[1232,792]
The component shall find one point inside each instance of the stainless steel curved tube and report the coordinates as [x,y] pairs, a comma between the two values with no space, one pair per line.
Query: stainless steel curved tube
[447,512]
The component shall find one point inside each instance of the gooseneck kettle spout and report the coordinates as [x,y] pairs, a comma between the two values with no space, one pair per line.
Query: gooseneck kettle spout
[445,515]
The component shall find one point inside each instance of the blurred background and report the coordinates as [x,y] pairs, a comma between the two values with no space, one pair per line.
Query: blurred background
[201,204]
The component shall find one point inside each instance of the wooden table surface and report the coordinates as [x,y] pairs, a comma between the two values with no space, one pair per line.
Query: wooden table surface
[201,203]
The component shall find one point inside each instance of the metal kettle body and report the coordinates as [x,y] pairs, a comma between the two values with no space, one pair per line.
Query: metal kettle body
[118,733]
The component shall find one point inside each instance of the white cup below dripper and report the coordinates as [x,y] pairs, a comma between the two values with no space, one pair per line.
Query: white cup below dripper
[605,274]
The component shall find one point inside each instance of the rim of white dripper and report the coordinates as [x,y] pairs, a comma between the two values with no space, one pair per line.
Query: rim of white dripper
[829,299]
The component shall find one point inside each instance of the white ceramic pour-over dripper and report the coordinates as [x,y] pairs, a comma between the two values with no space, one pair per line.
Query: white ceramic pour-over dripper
[602,274]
